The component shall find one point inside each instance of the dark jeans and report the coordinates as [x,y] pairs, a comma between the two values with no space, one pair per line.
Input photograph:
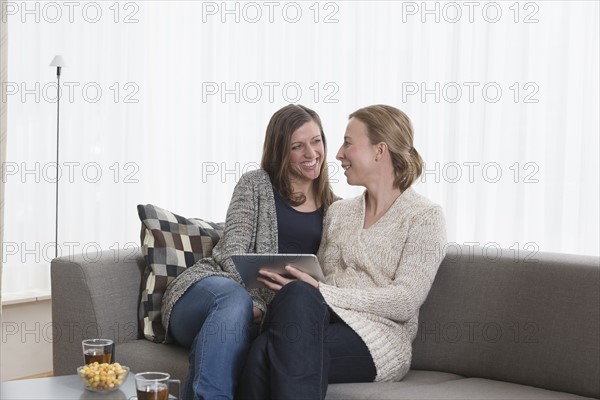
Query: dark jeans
[303,347]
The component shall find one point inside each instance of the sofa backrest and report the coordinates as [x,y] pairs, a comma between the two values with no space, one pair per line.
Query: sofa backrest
[514,316]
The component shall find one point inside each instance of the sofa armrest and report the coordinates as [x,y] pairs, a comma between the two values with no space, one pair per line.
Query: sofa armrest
[93,297]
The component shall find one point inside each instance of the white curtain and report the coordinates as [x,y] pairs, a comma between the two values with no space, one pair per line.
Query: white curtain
[3,115]
[167,103]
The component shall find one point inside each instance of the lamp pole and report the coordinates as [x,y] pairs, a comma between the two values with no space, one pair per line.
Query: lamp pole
[57,62]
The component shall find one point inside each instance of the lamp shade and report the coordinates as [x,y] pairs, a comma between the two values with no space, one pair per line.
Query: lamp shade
[58,61]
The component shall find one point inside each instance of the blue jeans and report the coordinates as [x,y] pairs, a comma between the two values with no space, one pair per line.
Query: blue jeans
[304,346]
[214,319]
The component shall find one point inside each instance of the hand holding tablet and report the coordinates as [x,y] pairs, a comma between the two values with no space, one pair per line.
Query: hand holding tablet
[248,266]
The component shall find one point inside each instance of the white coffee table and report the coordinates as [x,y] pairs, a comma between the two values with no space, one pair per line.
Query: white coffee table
[67,387]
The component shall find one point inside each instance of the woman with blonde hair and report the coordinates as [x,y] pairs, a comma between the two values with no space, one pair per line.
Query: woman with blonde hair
[379,252]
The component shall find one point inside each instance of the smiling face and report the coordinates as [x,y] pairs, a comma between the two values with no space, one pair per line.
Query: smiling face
[357,154]
[306,152]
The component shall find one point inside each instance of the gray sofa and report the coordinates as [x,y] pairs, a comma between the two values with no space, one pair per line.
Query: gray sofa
[494,326]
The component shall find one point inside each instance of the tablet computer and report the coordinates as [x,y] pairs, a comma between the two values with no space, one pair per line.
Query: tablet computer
[249,264]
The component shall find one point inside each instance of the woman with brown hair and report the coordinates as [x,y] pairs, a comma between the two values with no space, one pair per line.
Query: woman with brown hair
[379,252]
[276,209]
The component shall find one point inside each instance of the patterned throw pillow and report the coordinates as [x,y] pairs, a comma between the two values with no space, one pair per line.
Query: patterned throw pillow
[170,244]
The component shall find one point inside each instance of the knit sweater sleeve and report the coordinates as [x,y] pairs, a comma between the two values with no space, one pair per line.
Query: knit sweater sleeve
[240,232]
[417,266]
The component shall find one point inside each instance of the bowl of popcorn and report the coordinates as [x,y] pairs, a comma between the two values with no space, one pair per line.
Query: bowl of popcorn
[103,377]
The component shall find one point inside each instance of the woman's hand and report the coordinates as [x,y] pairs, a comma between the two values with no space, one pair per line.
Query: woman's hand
[276,281]
[256,315]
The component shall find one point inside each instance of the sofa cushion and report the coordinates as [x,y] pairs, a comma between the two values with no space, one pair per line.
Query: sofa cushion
[375,390]
[471,389]
[170,244]
[141,355]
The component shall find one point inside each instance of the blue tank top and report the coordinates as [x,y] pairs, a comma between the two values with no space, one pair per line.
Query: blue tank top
[298,232]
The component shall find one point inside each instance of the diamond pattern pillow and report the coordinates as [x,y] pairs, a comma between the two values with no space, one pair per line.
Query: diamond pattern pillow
[170,244]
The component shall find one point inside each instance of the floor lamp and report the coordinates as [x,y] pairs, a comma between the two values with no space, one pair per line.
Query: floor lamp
[58,62]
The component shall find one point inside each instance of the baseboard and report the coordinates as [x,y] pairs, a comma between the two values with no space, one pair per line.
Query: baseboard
[40,375]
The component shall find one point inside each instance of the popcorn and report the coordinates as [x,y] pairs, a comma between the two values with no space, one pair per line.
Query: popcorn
[103,376]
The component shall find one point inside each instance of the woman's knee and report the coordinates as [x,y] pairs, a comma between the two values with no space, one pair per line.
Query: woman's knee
[238,301]
[298,292]
[216,299]
[230,294]
[295,301]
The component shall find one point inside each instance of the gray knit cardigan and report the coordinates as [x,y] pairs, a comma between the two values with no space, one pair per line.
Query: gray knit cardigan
[250,227]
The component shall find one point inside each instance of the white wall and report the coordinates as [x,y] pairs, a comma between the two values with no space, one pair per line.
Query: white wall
[26,341]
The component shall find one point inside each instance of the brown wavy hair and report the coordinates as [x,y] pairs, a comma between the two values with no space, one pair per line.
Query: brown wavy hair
[276,154]
[391,126]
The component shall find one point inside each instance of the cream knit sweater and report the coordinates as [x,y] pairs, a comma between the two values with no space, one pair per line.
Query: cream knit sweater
[377,278]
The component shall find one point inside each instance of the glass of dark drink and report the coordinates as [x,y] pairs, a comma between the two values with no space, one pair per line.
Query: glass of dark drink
[97,350]
[155,385]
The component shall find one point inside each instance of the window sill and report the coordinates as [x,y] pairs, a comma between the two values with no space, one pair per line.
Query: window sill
[29,296]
